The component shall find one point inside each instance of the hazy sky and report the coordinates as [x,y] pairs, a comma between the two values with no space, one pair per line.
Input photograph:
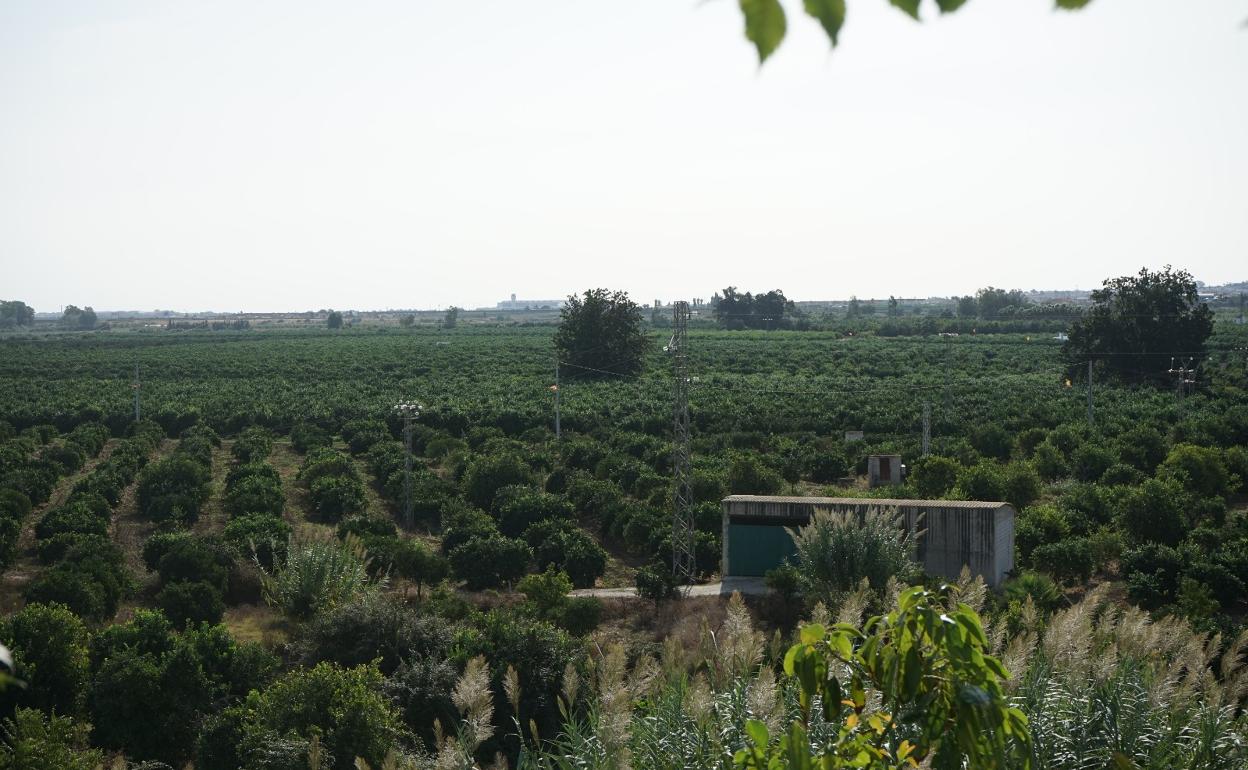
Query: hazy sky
[293,154]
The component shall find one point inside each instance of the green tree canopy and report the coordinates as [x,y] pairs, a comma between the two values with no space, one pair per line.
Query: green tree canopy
[600,331]
[1139,322]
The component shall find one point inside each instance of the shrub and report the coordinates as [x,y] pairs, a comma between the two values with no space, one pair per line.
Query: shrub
[487,474]
[255,494]
[1043,591]
[317,573]
[56,547]
[490,562]
[365,526]
[747,475]
[933,476]
[372,627]
[345,707]
[785,580]
[656,583]
[984,481]
[1152,571]
[173,489]
[1153,512]
[260,534]
[197,559]
[69,457]
[837,550]
[252,445]
[90,581]
[325,462]
[337,496]
[190,602]
[546,591]
[305,436]
[579,615]
[1200,470]
[1021,485]
[35,741]
[517,508]
[991,441]
[49,648]
[1090,461]
[415,562]
[421,687]
[1121,474]
[1066,560]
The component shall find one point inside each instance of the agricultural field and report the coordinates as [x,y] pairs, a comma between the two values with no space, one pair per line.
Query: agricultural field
[251,527]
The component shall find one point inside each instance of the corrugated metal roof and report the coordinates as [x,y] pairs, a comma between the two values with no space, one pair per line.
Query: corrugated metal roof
[880,501]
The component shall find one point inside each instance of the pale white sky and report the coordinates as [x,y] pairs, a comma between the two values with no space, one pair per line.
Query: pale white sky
[294,154]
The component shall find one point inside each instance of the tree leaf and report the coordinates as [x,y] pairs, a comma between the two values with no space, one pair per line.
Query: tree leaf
[1072,5]
[911,7]
[949,6]
[765,25]
[830,13]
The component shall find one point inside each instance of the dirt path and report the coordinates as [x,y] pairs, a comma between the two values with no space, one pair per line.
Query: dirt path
[25,564]
[213,517]
[298,512]
[130,531]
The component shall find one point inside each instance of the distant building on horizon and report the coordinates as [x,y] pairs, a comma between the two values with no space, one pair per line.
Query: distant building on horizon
[529,304]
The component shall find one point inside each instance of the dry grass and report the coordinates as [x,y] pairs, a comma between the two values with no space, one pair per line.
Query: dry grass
[257,623]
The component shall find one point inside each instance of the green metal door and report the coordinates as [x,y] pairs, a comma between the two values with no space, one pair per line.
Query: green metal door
[755,548]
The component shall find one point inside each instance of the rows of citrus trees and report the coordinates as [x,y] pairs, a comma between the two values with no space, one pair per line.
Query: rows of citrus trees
[1148,495]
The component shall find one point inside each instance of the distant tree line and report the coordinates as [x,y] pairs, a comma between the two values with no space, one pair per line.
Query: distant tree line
[772,310]
[75,317]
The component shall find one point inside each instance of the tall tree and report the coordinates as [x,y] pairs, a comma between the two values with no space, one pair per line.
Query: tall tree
[1137,322]
[334,320]
[15,313]
[600,330]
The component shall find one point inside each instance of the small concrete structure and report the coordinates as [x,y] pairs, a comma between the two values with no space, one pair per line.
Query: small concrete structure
[883,470]
[949,534]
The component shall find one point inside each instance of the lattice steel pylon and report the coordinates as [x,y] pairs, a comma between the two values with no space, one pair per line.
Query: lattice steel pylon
[684,566]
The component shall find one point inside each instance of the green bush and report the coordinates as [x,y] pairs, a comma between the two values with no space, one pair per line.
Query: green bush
[579,615]
[91,581]
[253,445]
[49,648]
[260,534]
[837,550]
[487,474]
[345,707]
[415,562]
[317,573]
[1043,591]
[255,494]
[490,562]
[1090,461]
[934,476]
[656,583]
[518,508]
[197,559]
[337,496]
[305,437]
[1200,470]
[173,489]
[1153,512]
[747,475]
[1066,560]
[566,547]
[325,462]
[372,627]
[35,741]
[421,687]
[187,602]
[984,481]
[1021,485]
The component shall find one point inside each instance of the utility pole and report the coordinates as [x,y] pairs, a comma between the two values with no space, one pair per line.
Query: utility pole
[1184,375]
[684,568]
[1089,393]
[409,411]
[135,387]
[927,428]
[558,431]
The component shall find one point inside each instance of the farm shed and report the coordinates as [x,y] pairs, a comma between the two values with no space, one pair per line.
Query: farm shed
[956,532]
